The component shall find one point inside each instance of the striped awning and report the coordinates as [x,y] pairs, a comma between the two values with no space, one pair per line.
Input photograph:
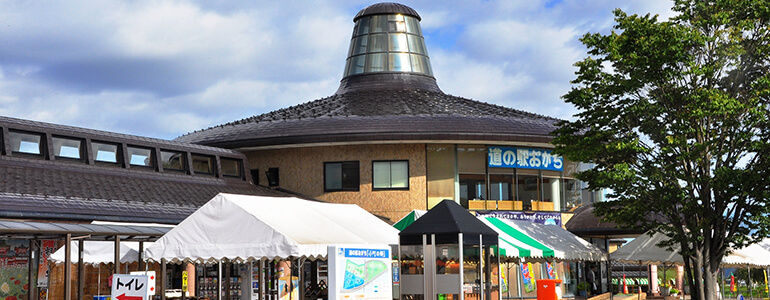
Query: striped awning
[541,242]
[409,219]
[515,243]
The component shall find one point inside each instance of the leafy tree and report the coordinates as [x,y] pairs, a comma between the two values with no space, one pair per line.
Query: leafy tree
[674,116]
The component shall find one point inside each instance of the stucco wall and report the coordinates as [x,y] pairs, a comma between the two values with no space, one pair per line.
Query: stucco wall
[302,170]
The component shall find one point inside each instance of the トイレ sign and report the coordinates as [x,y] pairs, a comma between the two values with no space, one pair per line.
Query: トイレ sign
[129,287]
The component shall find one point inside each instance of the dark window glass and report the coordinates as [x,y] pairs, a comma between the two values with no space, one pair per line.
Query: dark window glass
[67,147]
[27,143]
[140,156]
[103,152]
[231,167]
[341,176]
[272,177]
[255,176]
[203,164]
[172,160]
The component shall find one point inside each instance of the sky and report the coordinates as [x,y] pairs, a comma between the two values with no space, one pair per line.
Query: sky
[165,68]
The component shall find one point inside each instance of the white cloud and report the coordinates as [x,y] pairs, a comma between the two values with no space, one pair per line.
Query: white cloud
[164,68]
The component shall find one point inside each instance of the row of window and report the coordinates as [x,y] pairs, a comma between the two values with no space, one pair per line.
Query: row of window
[34,144]
[387,23]
[386,175]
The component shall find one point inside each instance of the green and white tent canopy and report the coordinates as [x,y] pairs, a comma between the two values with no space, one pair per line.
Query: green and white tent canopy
[538,242]
[409,219]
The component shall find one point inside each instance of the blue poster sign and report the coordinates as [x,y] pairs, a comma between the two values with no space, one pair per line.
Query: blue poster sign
[525,158]
[547,218]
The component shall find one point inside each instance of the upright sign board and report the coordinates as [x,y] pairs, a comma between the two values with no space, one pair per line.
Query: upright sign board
[150,281]
[360,272]
[129,287]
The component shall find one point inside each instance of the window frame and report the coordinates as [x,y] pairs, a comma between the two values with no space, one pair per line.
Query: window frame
[118,153]
[182,158]
[212,161]
[41,145]
[81,149]
[239,165]
[391,188]
[151,157]
[343,187]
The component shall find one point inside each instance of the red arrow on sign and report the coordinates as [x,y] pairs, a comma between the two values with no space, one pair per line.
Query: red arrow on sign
[124,297]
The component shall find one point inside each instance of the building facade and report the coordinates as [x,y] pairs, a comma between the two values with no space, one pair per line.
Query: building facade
[391,141]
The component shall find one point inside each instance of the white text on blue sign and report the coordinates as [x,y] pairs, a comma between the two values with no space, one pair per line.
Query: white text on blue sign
[507,157]
[367,253]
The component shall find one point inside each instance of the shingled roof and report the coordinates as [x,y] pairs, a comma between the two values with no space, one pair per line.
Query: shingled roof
[397,112]
[46,187]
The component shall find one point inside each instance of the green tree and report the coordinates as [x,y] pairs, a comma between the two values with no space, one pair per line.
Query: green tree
[674,117]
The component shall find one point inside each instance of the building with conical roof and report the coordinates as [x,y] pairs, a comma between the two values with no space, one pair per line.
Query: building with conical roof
[391,141]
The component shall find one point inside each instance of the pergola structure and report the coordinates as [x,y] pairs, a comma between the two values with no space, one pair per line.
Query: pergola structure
[35,231]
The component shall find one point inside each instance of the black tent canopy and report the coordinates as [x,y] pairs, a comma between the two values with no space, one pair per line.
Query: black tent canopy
[446,220]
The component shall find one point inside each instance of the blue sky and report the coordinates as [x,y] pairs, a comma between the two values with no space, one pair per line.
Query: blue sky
[165,68]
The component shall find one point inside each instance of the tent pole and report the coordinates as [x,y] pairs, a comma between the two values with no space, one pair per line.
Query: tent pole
[162,279]
[117,255]
[81,271]
[219,279]
[519,279]
[67,267]
[461,262]
[481,268]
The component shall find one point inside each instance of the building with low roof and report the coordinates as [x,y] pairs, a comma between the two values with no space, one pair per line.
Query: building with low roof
[391,141]
[62,173]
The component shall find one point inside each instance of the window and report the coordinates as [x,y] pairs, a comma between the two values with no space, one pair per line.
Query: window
[27,143]
[104,152]
[203,164]
[231,167]
[255,176]
[272,177]
[390,175]
[67,147]
[141,157]
[341,176]
[172,160]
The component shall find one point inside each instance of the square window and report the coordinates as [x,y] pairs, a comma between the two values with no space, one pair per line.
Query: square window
[231,167]
[67,147]
[104,152]
[139,156]
[27,143]
[172,160]
[341,176]
[390,175]
[203,164]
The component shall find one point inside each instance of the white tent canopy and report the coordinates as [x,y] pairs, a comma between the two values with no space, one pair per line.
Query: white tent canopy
[644,249]
[100,252]
[240,227]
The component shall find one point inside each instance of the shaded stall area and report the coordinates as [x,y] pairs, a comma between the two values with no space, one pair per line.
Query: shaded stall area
[527,252]
[266,242]
[644,250]
[39,234]
[449,254]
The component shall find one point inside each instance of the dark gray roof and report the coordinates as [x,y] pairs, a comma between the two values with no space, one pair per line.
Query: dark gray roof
[386,113]
[387,8]
[50,230]
[47,188]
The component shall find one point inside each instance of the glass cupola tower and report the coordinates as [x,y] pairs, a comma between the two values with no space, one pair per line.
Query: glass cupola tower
[387,42]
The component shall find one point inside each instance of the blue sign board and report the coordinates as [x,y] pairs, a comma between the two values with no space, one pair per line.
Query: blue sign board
[365,253]
[524,158]
[547,218]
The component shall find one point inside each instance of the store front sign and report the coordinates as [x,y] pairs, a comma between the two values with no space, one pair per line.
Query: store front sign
[525,158]
[547,218]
